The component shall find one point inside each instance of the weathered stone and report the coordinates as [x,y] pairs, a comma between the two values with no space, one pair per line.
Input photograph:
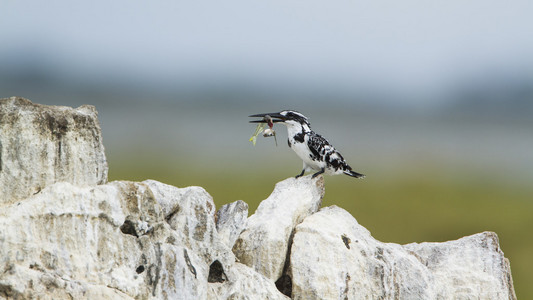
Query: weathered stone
[190,213]
[179,274]
[333,257]
[41,145]
[110,239]
[471,267]
[231,219]
[244,283]
[264,244]
[69,234]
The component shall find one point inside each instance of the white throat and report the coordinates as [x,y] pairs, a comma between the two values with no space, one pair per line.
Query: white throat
[294,128]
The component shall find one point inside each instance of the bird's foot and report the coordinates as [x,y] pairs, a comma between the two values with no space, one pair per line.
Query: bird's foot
[318,173]
[300,175]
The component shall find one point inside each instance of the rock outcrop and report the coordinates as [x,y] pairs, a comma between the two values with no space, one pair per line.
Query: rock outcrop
[41,145]
[333,257]
[66,233]
[265,242]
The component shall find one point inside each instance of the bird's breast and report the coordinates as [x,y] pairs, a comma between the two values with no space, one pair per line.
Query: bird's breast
[302,150]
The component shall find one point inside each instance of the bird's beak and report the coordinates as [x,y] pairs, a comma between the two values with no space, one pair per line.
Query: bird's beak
[276,118]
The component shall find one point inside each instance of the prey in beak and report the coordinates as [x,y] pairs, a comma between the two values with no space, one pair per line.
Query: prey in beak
[266,118]
[269,118]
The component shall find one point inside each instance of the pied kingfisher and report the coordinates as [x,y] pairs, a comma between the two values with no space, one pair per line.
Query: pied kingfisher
[315,151]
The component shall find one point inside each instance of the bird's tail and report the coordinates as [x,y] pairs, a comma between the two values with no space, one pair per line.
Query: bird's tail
[354,174]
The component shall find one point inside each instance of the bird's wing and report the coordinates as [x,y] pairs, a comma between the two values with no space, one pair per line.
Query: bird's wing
[318,146]
[322,150]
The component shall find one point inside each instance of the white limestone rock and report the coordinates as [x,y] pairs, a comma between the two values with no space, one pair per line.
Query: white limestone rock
[471,267]
[110,241]
[181,274]
[41,145]
[190,212]
[333,257]
[66,240]
[231,219]
[264,244]
[244,283]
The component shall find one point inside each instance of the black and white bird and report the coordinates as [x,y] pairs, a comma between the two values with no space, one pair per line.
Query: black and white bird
[315,151]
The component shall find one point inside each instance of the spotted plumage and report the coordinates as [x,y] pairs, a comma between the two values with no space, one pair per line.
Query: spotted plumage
[315,151]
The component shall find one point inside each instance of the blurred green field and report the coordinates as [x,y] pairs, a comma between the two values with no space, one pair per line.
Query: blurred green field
[426,203]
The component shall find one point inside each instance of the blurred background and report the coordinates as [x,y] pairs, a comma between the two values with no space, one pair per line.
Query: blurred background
[432,101]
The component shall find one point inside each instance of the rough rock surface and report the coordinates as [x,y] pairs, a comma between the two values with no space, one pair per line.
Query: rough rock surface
[244,283]
[41,145]
[192,221]
[470,267]
[265,242]
[67,234]
[333,257]
[70,241]
[231,220]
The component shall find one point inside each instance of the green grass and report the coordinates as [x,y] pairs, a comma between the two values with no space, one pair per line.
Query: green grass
[397,207]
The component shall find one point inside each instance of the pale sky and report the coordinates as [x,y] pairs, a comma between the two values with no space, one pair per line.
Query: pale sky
[405,45]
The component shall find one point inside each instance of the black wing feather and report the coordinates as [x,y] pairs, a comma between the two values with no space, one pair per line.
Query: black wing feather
[322,150]
[318,146]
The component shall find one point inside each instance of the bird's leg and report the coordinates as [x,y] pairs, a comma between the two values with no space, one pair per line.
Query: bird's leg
[301,174]
[318,173]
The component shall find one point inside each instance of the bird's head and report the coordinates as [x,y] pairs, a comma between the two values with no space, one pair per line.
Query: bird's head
[290,118]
